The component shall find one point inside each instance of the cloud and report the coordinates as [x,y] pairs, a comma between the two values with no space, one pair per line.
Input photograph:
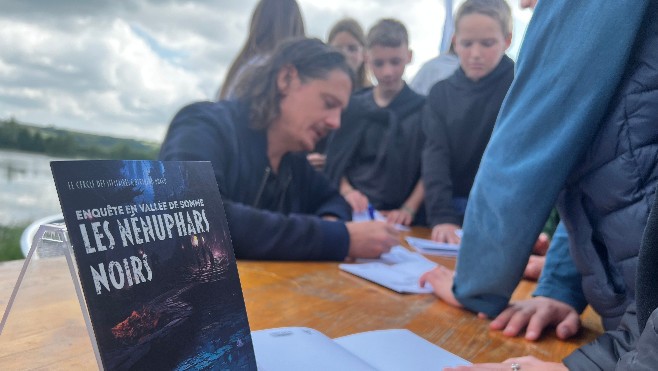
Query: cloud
[125,67]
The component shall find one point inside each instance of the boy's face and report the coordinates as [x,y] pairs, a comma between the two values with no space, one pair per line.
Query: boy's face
[480,44]
[387,64]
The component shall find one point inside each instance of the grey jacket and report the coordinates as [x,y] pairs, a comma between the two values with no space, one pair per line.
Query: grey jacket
[606,223]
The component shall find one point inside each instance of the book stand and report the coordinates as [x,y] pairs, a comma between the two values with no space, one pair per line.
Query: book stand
[53,327]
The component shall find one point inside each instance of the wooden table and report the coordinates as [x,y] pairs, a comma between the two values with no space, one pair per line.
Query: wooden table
[46,328]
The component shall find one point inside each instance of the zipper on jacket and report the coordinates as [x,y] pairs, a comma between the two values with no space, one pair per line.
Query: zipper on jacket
[266,175]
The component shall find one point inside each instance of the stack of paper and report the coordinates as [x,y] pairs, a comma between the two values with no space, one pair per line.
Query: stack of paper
[430,247]
[398,270]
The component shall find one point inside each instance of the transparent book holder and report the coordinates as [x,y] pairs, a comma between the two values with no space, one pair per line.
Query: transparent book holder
[45,322]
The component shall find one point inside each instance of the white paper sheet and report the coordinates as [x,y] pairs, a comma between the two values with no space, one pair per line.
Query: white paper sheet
[430,247]
[398,270]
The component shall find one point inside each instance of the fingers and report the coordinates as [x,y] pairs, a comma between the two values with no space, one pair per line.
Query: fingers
[399,217]
[453,238]
[538,322]
[384,236]
[541,245]
[535,266]
[569,326]
[429,276]
[317,160]
[536,314]
[393,236]
[424,278]
[513,320]
[357,201]
[502,319]
[435,235]
[520,319]
[446,233]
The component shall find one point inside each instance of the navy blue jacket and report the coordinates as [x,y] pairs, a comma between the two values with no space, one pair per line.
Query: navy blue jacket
[270,216]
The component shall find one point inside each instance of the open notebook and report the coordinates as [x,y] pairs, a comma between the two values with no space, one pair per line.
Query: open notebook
[300,348]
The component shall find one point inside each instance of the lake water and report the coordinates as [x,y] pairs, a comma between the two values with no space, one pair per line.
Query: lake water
[27,190]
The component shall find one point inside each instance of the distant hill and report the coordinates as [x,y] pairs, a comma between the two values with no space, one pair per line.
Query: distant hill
[66,143]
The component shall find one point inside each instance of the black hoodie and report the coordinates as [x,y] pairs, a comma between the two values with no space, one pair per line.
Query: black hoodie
[458,119]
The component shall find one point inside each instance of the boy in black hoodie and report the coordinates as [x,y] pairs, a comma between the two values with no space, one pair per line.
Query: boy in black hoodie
[374,158]
[461,112]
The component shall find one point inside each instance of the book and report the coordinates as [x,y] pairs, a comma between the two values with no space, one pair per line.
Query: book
[398,270]
[300,348]
[155,262]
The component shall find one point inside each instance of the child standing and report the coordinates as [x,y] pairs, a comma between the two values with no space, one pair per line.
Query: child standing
[461,111]
[375,156]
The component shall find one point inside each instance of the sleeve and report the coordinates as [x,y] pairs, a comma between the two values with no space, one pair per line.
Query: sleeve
[436,167]
[560,280]
[261,234]
[606,350]
[644,356]
[564,82]
[197,133]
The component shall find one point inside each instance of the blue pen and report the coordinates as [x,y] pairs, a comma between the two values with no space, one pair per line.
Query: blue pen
[371,212]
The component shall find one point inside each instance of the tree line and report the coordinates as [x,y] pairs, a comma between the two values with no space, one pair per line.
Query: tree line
[65,143]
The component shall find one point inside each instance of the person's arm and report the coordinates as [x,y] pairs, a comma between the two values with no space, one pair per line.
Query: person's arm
[560,280]
[564,82]
[202,132]
[644,356]
[436,160]
[606,350]
[406,213]
[261,234]
[357,200]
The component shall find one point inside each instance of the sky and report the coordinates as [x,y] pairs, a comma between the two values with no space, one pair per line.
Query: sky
[124,68]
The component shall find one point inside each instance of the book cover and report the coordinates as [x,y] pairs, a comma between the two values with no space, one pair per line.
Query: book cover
[156,264]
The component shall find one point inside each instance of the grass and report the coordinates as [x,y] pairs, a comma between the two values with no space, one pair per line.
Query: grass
[10,247]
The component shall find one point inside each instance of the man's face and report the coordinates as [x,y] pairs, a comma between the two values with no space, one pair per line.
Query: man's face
[311,109]
[387,64]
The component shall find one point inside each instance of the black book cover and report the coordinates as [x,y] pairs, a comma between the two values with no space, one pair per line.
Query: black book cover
[156,264]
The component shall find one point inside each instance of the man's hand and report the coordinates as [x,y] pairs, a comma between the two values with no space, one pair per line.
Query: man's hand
[527,363]
[371,239]
[536,314]
[446,233]
[441,279]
